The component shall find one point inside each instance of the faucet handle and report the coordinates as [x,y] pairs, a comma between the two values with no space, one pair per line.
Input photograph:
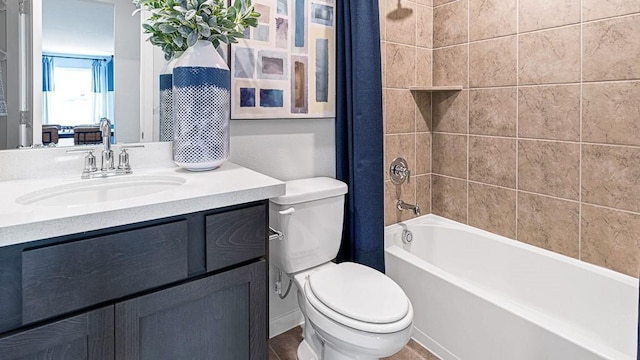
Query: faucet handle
[399,171]
[123,161]
[89,165]
[124,166]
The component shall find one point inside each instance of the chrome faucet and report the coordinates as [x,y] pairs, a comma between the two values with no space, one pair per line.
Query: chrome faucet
[107,167]
[401,205]
[107,153]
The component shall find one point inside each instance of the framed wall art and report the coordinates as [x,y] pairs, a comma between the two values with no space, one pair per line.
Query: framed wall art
[285,68]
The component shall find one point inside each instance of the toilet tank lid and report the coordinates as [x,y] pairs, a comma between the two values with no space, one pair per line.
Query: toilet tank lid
[303,190]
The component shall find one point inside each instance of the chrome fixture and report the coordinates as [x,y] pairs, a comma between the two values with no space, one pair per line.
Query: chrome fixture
[401,205]
[275,234]
[407,236]
[107,153]
[399,171]
[90,169]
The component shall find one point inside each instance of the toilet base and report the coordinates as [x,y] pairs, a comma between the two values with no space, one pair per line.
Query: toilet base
[305,352]
[330,353]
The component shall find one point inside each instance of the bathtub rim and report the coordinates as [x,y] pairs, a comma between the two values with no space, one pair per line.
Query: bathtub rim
[395,248]
[439,221]
[559,328]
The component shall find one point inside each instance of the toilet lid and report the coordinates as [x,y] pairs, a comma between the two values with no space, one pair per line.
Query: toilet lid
[360,293]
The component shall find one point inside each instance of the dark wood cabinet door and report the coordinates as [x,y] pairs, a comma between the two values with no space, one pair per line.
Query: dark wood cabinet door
[89,336]
[217,317]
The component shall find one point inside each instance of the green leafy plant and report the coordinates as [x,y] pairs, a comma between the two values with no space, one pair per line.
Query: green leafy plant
[175,25]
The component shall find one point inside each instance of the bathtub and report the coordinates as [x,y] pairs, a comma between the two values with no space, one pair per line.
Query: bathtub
[477,296]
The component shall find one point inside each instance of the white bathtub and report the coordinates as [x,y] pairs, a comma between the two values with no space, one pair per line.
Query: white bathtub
[479,296]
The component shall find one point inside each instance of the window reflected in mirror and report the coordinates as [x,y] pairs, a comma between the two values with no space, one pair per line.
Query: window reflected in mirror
[77,70]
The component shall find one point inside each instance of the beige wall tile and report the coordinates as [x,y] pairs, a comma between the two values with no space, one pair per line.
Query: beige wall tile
[491,18]
[392,192]
[450,24]
[449,155]
[493,209]
[450,111]
[549,167]
[400,66]
[449,198]
[550,56]
[600,9]
[423,193]
[492,160]
[450,65]
[424,36]
[541,14]
[383,63]
[549,223]
[423,154]
[424,63]
[423,110]
[442,2]
[612,49]
[401,25]
[621,250]
[493,111]
[493,62]
[425,2]
[399,146]
[611,176]
[549,112]
[610,113]
[399,111]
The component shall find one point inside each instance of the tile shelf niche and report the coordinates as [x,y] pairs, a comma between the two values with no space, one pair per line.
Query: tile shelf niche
[435,88]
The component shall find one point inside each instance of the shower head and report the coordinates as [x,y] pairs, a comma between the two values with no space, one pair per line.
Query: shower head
[399,13]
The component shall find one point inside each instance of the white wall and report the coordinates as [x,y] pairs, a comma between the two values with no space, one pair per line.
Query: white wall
[285,149]
[126,72]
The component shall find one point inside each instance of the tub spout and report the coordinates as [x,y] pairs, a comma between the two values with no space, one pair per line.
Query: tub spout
[401,205]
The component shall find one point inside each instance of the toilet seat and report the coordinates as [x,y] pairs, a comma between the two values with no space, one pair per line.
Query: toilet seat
[359,297]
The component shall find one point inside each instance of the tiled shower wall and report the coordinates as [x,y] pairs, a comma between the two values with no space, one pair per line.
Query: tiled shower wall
[407,40]
[543,143]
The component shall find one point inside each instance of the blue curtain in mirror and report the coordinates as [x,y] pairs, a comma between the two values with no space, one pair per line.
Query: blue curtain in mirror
[102,88]
[47,87]
[359,131]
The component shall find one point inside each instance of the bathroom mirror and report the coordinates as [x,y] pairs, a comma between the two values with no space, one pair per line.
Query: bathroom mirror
[81,39]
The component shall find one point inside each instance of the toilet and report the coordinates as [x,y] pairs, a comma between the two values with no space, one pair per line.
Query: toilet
[351,311]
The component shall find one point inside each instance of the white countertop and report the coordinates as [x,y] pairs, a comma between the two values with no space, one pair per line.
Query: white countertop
[229,185]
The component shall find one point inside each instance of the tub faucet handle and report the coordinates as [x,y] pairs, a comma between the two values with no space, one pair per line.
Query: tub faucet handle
[399,171]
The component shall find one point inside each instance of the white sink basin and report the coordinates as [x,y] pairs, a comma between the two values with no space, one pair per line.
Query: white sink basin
[99,190]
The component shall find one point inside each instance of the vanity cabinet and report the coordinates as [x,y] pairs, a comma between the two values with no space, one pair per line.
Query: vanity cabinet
[85,336]
[186,287]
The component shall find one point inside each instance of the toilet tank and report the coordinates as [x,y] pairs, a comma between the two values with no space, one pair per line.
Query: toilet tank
[310,217]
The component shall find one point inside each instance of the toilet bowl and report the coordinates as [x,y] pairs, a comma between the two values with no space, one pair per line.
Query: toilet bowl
[351,311]
[372,320]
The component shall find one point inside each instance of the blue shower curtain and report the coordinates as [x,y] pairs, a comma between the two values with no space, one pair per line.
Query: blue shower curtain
[359,131]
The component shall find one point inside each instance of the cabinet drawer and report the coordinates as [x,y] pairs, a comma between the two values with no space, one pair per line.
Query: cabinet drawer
[62,278]
[236,236]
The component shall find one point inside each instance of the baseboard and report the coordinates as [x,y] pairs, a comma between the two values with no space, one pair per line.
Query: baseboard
[285,322]
[428,343]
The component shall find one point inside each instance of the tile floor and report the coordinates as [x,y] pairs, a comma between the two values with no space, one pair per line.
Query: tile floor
[284,346]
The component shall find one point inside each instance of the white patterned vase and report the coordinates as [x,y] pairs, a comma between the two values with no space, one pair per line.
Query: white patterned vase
[166,101]
[201,108]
